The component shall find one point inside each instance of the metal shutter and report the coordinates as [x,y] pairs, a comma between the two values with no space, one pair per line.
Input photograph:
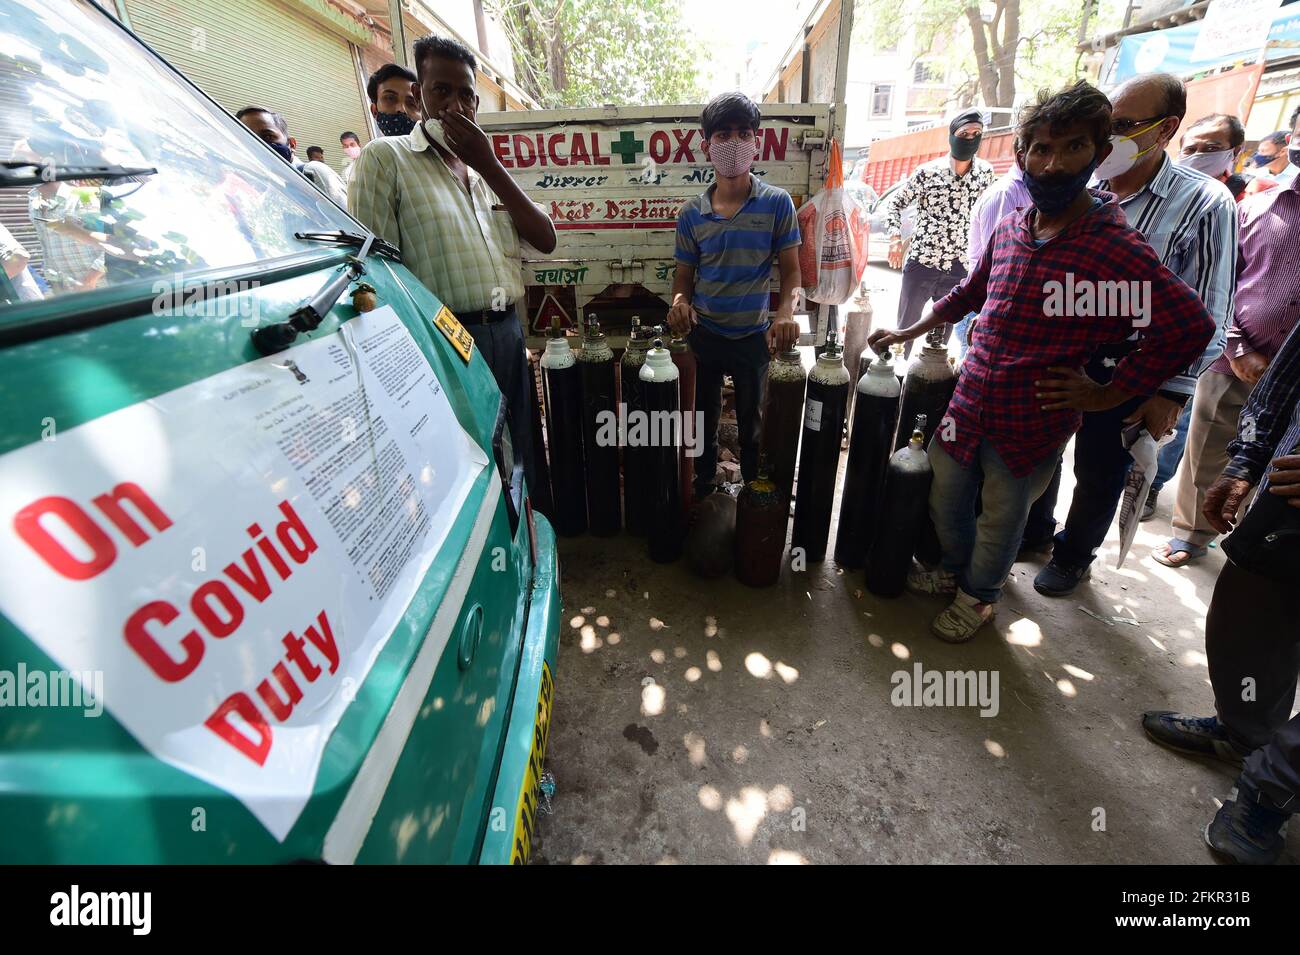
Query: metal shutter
[260,53]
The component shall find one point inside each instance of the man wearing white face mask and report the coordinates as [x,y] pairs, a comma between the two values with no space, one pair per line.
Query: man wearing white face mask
[352,149]
[1190,220]
[440,194]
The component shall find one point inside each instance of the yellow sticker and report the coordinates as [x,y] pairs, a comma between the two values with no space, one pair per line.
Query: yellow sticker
[530,793]
[460,339]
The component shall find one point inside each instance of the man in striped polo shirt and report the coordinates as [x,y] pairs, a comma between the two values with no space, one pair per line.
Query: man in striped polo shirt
[726,240]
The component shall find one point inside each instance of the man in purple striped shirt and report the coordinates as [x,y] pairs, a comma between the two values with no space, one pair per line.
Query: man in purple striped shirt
[1267,307]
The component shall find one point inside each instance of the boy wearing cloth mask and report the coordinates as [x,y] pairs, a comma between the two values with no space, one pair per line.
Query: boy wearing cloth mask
[726,240]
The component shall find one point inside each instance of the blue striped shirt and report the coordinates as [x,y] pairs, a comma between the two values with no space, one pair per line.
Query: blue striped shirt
[733,257]
[1191,222]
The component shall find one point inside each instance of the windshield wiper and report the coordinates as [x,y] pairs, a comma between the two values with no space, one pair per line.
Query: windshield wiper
[15,174]
[340,237]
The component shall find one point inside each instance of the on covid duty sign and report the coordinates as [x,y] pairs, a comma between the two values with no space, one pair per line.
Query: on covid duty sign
[233,555]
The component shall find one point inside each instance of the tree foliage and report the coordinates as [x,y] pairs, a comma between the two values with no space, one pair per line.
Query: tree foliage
[998,48]
[593,52]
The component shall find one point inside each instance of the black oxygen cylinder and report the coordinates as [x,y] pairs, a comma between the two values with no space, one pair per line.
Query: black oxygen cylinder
[635,504]
[875,417]
[562,396]
[783,417]
[599,431]
[823,428]
[659,382]
[927,389]
[904,506]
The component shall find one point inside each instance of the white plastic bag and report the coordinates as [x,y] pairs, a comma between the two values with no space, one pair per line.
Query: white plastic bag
[834,230]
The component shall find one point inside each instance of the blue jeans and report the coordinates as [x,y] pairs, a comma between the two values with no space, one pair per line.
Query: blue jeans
[980,551]
[1172,453]
[962,331]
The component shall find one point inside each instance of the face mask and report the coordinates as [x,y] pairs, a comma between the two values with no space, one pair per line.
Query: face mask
[963,149]
[733,157]
[1213,164]
[394,124]
[1125,153]
[1260,160]
[352,152]
[1053,194]
[1293,155]
[434,133]
[283,149]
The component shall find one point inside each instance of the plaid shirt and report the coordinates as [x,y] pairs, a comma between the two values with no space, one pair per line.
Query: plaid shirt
[1017,340]
[68,261]
[462,245]
[1270,421]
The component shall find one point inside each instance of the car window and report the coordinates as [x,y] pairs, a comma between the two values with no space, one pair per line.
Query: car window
[77,91]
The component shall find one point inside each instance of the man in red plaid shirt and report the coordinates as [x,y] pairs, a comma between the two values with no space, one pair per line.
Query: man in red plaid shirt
[1055,281]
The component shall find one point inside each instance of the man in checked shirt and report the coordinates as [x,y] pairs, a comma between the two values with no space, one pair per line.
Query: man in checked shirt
[1251,637]
[1045,291]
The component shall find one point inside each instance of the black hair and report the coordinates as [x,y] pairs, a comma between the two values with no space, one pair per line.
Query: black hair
[1079,105]
[1278,138]
[316,149]
[1236,131]
[383,75]
[349,135]
[276,118]
[444,47]
[1174,91]
[1295,116]
[729,109]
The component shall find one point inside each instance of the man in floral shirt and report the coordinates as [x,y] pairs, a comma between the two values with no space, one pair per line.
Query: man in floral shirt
[943,191]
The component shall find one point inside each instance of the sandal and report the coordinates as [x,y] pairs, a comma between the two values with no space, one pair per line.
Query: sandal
[1177,546]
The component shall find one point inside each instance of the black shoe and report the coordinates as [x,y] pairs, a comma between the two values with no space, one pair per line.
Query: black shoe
[1149,508]
[1194,735]
[1058,580]
[1245,830]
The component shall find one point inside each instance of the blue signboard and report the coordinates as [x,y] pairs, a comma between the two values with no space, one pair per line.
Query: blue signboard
[1170,51]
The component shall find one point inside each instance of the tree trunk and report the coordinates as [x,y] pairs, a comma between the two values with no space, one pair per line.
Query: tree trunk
[988,76]
[1010,44]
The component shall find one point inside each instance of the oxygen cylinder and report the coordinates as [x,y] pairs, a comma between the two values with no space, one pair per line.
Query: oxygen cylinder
[823,425]
[596,366]
[659,380]
[930,382]
[783,416]
[684,359]
[857,326]
[710,539]
[634,454]
[927,388]
[762,517]
[904,505]
[562,396]
[875,417]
